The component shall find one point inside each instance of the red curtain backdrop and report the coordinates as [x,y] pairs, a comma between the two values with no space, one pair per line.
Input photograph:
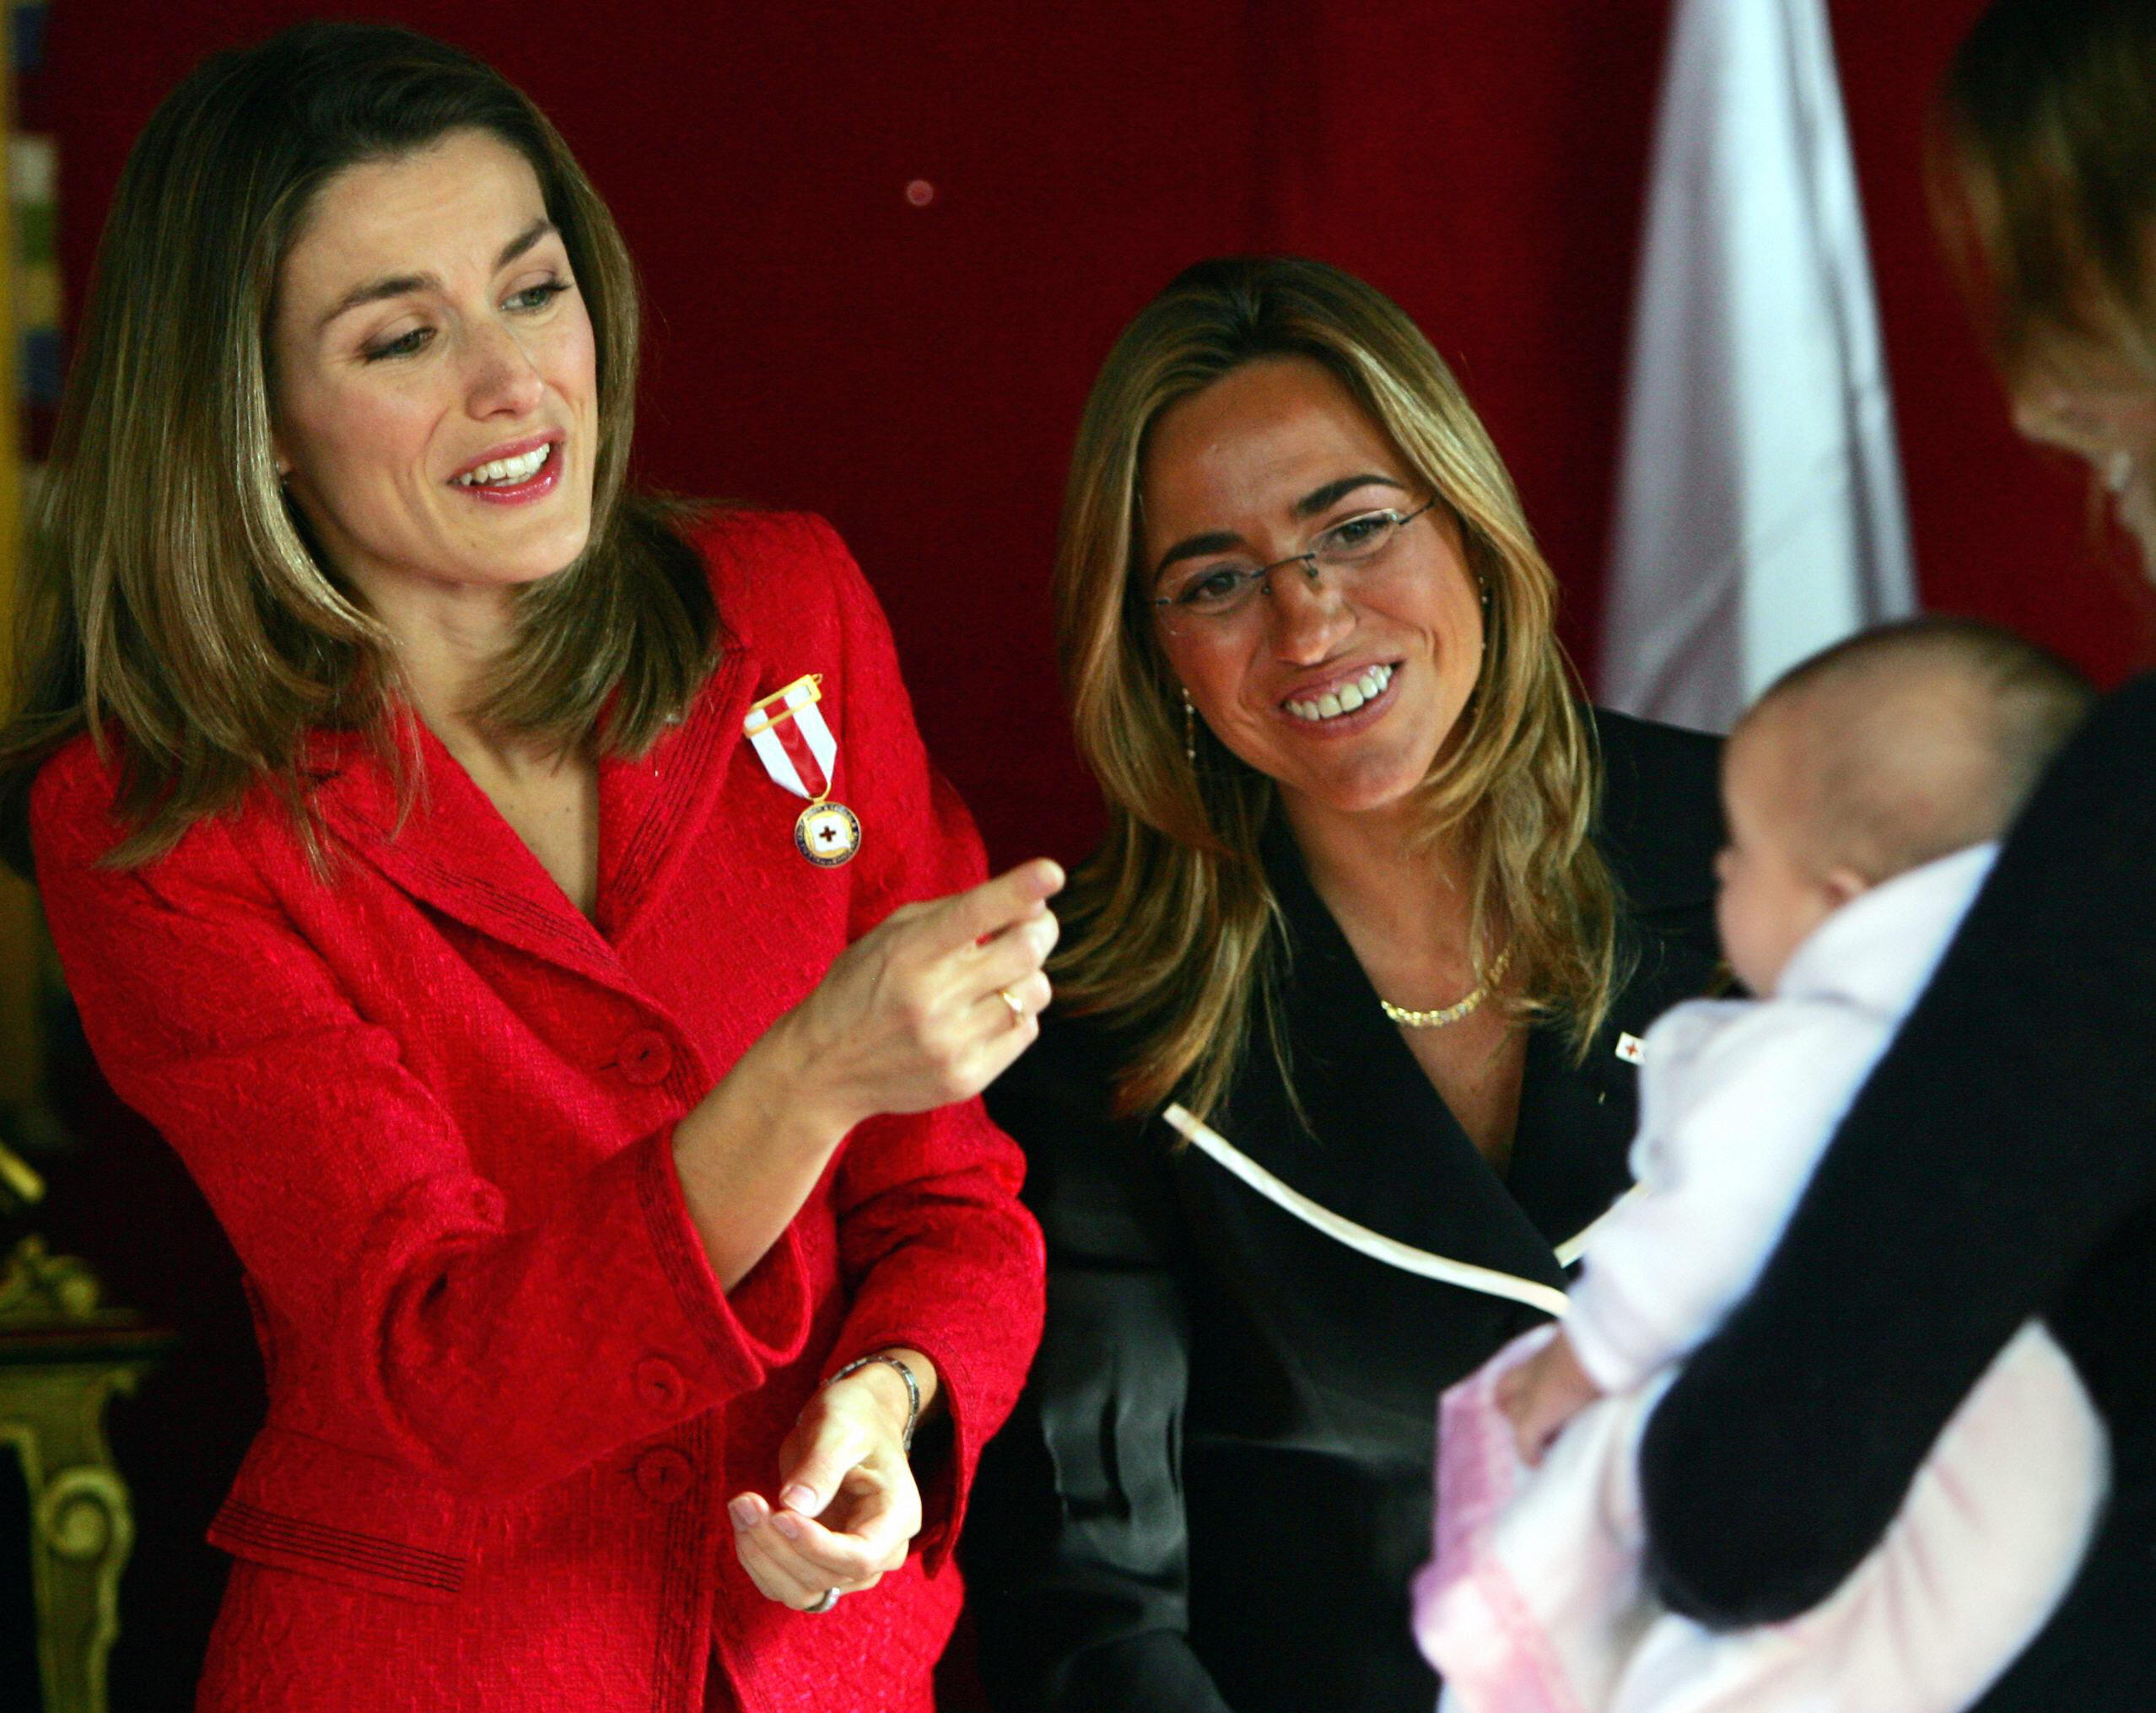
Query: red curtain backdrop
[913,367]
[914,370]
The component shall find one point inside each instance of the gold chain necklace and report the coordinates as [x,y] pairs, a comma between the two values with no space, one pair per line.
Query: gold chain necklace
[1452,1013]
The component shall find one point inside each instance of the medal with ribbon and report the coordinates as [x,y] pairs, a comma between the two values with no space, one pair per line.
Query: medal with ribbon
[798,750]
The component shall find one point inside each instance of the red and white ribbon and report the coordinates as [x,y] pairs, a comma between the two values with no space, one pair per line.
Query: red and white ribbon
[791,739]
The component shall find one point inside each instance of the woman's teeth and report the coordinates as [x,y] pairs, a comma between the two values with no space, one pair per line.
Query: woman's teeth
[507,473]
[1346,699]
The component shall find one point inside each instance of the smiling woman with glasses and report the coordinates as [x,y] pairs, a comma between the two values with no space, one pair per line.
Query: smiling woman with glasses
[1340,1063]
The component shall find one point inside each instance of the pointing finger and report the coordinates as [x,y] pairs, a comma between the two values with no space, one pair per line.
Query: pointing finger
[993,905]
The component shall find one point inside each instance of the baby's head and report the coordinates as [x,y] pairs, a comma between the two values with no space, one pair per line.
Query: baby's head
[1874,757]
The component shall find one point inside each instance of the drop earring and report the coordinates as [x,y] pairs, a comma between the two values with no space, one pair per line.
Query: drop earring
[1189,731]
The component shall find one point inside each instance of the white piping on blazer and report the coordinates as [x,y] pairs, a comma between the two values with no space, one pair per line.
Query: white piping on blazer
[1376,1245]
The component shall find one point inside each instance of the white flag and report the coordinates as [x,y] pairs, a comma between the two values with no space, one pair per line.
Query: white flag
[1760,512]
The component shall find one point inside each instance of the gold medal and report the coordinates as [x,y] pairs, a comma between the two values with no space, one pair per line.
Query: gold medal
[827,834]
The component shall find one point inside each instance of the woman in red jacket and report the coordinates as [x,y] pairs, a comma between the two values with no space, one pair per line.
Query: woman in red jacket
[445,848]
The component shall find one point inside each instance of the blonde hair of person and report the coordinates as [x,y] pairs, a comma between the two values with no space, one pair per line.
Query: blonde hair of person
[2043,175]
[171,602]
[1175,939]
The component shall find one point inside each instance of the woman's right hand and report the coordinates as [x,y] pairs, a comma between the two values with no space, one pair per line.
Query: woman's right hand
[910,1016]
[914,1013]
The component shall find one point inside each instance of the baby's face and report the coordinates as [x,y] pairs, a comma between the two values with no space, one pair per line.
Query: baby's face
[1770,900]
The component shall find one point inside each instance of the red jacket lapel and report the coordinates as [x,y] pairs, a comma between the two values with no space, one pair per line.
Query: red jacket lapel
[644,803]
[454,853]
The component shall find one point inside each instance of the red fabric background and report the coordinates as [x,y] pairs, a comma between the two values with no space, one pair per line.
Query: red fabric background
[915,373]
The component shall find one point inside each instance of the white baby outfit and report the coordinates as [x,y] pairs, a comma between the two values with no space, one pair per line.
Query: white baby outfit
[1536,1602]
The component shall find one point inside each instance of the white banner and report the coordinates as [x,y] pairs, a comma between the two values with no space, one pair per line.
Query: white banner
[1759,511]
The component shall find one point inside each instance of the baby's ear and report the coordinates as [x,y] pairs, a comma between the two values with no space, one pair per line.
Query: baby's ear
[1843,883]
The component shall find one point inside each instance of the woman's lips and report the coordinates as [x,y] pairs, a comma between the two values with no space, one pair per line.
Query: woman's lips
[515,480]
[1348,705]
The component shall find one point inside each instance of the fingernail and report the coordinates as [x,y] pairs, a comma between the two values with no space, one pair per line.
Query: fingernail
[786,1526]
[801,1499]
[743,1513]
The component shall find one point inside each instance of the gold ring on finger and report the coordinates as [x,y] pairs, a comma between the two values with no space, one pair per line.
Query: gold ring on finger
[1018,1012]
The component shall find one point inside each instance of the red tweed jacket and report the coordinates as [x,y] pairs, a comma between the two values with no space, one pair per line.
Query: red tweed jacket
[431,1103]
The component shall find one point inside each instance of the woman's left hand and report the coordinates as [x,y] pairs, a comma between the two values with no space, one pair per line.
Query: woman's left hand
[848,1507]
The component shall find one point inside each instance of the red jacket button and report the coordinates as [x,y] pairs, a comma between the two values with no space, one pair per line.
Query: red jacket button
[663,1474]
[644,1057]
[658,1384]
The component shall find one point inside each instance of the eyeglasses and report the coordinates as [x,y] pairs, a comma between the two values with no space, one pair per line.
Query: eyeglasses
[1211,595]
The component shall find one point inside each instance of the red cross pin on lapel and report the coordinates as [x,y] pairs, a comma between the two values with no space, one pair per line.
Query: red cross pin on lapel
[1631,1049]
[795,744]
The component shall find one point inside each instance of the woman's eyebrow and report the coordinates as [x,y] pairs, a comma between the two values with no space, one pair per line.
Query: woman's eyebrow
[1317,499]
[523,241]
[1191,547]
[397,285]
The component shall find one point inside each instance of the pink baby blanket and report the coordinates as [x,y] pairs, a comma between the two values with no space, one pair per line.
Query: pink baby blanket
[1535,1601]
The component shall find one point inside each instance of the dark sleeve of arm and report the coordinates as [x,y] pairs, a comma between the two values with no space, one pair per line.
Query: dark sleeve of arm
[1076,1552]
[2008,1132]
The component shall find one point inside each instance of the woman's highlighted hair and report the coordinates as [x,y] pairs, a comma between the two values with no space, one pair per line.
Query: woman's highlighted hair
[171,604]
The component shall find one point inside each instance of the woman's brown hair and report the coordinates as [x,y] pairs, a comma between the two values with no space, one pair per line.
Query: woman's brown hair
[1174,937]
[2043,174]
[170,603]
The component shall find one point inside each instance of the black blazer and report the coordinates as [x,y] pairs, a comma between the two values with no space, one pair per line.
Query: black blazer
[1218,1483]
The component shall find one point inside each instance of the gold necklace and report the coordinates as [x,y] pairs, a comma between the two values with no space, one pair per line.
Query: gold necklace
[1452,1013]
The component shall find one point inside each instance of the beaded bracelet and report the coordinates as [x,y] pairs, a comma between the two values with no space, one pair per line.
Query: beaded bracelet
[906,1374]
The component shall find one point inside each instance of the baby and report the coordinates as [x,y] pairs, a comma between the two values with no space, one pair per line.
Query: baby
[1864,793]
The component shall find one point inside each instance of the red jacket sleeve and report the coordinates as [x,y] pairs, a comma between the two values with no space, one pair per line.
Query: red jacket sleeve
[491,1356]
[939,1253]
